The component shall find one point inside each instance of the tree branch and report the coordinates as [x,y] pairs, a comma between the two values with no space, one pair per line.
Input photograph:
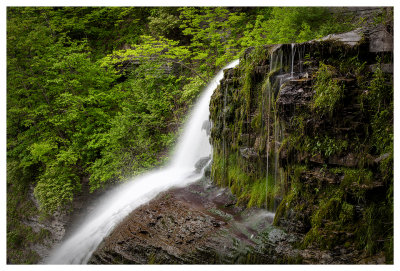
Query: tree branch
[180,63]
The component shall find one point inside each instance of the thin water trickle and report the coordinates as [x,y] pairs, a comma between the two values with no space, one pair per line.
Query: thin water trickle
[276,147]
[293,55]
[267,145]
[301,55]
[271,57]
[274,128]
[117,204]
[225,154]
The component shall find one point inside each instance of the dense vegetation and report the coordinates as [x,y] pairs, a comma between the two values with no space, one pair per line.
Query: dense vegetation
[98,93]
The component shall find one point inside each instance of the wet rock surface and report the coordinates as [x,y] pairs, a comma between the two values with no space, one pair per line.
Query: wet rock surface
[196,224]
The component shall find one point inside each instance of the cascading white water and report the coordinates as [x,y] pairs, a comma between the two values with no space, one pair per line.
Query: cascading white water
[117,204]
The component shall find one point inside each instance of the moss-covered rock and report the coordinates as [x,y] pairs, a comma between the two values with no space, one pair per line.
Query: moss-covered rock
[307,130]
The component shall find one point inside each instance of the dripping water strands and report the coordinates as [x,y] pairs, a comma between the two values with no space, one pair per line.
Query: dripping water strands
[267,138]
[276,61]
[271,148]
[276,150]
[224,134]
[271,57]
[293,45]
[278,75]
[285,65]
[118,203]
[277,141]
[272,86]
[300,51]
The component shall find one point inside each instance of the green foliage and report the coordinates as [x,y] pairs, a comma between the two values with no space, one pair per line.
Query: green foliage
[218,169]
[105,28]
[212,33]
[319,144]
[56,187]
[149,48]
[373,227]
[336,220]
[384,17]
[72,105]
[353,66]
[255,31]
[356,176]
[257,55]
[292,24]
[247,187]
[326,145]
[239,182]
[164,21]
[379,107]
[289,24]
[258,193]
[296,191]
[328,92]
[378,102]
[328,208]
[333,217]
[192,89]
[142,130]
[40,151]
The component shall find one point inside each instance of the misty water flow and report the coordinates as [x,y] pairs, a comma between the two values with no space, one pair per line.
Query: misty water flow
[118,203]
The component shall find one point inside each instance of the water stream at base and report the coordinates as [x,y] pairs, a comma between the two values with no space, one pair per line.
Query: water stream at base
[119,202]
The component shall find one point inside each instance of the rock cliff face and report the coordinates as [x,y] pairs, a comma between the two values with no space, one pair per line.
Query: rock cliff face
[307,130]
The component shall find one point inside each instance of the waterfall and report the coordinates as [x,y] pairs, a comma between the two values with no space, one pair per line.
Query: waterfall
[118,203]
